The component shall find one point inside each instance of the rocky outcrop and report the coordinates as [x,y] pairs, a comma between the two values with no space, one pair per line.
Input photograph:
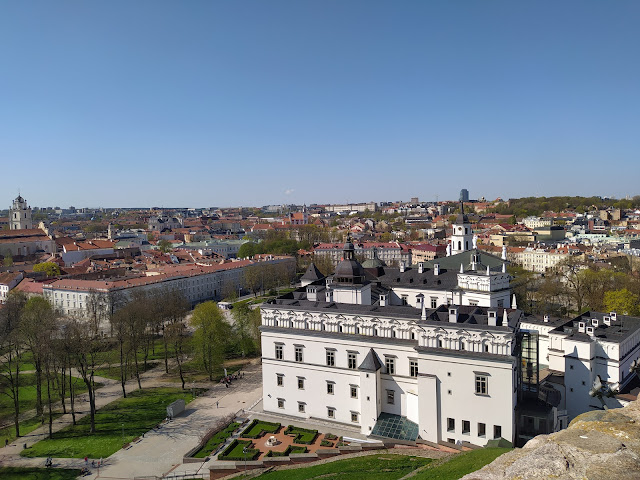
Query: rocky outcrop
[598,445]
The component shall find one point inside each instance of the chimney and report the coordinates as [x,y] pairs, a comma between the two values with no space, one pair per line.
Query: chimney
[590,331]
[581,327]
[383,300]
[595,322]
[402,267]
[546,318]
[453,314]
[614,316]
[423,315]
[492,318]
[420,267]
[329,296]
[436,269]
[607,320]
[505,318]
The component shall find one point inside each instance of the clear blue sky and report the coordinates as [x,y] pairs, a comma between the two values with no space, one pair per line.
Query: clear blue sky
[189,103]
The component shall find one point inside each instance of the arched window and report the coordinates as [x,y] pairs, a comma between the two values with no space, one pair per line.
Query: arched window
[459,245]
[466,245]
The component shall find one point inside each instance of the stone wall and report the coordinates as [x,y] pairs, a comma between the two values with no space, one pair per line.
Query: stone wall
[598,445]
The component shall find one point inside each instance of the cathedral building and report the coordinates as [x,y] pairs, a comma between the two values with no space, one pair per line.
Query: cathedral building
[20,215]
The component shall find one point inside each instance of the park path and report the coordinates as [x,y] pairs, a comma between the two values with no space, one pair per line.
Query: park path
[109,392]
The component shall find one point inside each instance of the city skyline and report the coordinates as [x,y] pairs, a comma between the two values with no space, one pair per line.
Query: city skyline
[215,104]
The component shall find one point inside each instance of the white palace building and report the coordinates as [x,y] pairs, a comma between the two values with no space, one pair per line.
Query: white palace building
[435,352]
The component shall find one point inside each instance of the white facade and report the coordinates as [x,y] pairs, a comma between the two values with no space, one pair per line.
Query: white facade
[20,215]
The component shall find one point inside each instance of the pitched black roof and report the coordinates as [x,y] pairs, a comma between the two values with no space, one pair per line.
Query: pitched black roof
[371,362]
[312,273]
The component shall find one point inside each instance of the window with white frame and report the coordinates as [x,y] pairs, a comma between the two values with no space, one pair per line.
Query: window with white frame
[281,403]
[390,363]
[413,368]
[279,352]
[352,360]
[331,358]
[298,353]
[354,417]
[482,384]
[434,302]
[353,389]
[330,388]
[301,407]
[391,397]
[280,379]
[300,383]
[331,412]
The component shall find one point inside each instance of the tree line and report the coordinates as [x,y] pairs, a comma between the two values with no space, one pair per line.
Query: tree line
[577,285]
[141,327]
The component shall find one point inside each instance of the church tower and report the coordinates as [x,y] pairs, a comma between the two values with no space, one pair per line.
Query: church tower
[462,236]
[20,215]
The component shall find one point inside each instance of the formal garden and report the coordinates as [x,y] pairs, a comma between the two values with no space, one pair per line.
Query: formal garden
[260,439]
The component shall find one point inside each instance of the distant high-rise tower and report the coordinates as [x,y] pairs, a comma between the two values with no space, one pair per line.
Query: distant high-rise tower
[20,214]
[464,195]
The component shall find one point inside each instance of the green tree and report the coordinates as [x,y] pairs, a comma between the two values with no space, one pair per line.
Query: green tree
[50,268]
[211,335]
[247,250]
[247,327]
[165,246]
[622,301]
[7,260]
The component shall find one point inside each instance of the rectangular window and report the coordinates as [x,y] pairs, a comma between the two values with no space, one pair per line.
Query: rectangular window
[330,387]
[466,427]
[390,363]
[497,431]
[280,380]
[300,407]
[279,352]
[391,397]
[331,358]
[482,385]
[352,360]
[482,430]
[354,417]
[451,425]
[331,412]
[298,356]
[281,403]
[404,300]
[300,383]
[413,368]
[434,302]
[353,389]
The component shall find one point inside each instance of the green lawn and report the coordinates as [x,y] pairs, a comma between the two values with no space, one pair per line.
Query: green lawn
[372,467]
[15,473]
[113,371]
[239,450]
[135,415]
[461,464]
[218,439]
[257,426]
[26,426]
[27,395]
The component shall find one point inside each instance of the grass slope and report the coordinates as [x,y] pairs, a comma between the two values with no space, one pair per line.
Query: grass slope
[26,427]
[136,414]
[372,467]
[461,464]
[16,473]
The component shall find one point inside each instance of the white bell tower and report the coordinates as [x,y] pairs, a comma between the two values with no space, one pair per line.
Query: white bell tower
[462,236]
[20,215]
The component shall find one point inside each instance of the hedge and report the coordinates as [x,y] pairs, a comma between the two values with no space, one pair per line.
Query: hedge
[235,451]
[290,449]
[270,428]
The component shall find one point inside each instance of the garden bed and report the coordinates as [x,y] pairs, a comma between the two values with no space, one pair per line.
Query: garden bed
[239,450]
[303,436]
[290,449]
[257,428]
[216,440]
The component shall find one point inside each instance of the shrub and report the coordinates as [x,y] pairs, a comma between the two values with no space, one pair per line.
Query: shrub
[290,449]
[330,436]
[326,443]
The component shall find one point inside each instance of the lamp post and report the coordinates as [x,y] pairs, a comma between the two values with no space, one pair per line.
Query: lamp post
[244,451]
